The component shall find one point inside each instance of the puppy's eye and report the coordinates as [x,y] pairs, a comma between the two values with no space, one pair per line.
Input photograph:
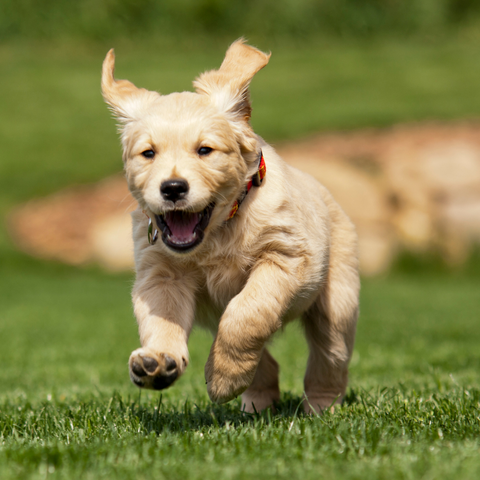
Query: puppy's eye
[204,151]
[148,153]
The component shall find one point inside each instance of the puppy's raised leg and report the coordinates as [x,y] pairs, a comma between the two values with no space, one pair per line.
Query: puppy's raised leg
[164,308]
[248,322]
[264,390]
[330,325]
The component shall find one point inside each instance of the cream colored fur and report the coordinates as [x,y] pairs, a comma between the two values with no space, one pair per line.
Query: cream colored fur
[289,252]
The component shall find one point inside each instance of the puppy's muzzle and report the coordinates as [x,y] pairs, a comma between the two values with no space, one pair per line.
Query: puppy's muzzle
[182,230]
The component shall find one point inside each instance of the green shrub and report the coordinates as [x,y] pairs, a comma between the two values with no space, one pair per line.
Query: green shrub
[104,19]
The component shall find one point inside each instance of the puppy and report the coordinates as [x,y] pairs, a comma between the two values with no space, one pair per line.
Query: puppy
[229,236]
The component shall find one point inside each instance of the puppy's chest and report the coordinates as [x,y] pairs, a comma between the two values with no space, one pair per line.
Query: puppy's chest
[220,284]
[225,278]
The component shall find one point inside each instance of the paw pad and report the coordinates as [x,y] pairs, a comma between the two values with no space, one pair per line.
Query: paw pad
[154,373]
[150,364]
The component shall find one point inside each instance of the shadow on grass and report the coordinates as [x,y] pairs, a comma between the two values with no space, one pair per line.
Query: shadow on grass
[205,415]
[420,412]
[198,416]
[85,418]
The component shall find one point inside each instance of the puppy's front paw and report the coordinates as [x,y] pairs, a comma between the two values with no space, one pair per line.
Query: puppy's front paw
[153,370]
[227,378]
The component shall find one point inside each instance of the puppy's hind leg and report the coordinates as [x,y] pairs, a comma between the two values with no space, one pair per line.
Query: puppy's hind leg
[330,325]
[330,340]
[264,390]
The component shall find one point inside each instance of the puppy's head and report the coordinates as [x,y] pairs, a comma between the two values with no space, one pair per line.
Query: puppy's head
[188,156]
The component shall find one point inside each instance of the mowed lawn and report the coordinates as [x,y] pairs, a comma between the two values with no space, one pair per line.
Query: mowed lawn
[67,407]
[68,410]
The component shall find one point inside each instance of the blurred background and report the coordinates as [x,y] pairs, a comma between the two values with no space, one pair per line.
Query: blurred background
[378,99]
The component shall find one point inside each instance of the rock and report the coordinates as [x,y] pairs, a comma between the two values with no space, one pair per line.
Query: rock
[70,225]
[111,242]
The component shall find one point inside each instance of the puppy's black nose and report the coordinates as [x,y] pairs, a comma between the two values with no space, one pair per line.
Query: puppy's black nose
[174,190]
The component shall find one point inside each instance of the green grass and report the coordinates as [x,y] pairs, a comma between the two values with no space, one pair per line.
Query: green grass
[386,435]
[67,407]
[68,410]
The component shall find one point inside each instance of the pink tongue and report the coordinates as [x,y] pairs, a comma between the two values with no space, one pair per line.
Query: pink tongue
[182,224]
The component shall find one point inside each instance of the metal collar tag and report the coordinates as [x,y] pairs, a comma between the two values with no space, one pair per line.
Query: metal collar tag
[152,235]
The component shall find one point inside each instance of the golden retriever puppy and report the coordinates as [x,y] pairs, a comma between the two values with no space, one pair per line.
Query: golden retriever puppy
[229,236]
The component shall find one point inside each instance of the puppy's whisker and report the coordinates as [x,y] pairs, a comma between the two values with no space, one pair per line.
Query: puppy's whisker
[129,208]
[125,197]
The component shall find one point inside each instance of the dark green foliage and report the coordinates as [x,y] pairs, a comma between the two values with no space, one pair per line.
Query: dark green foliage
[104,19]
[431,262]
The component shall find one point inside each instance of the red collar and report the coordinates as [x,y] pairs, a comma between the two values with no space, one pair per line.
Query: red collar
[255,181]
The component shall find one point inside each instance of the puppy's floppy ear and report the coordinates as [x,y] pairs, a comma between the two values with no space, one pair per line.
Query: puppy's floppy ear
[124,98]
[227,87]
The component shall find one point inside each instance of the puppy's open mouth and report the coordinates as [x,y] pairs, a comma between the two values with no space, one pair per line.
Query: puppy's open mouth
[182,230]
